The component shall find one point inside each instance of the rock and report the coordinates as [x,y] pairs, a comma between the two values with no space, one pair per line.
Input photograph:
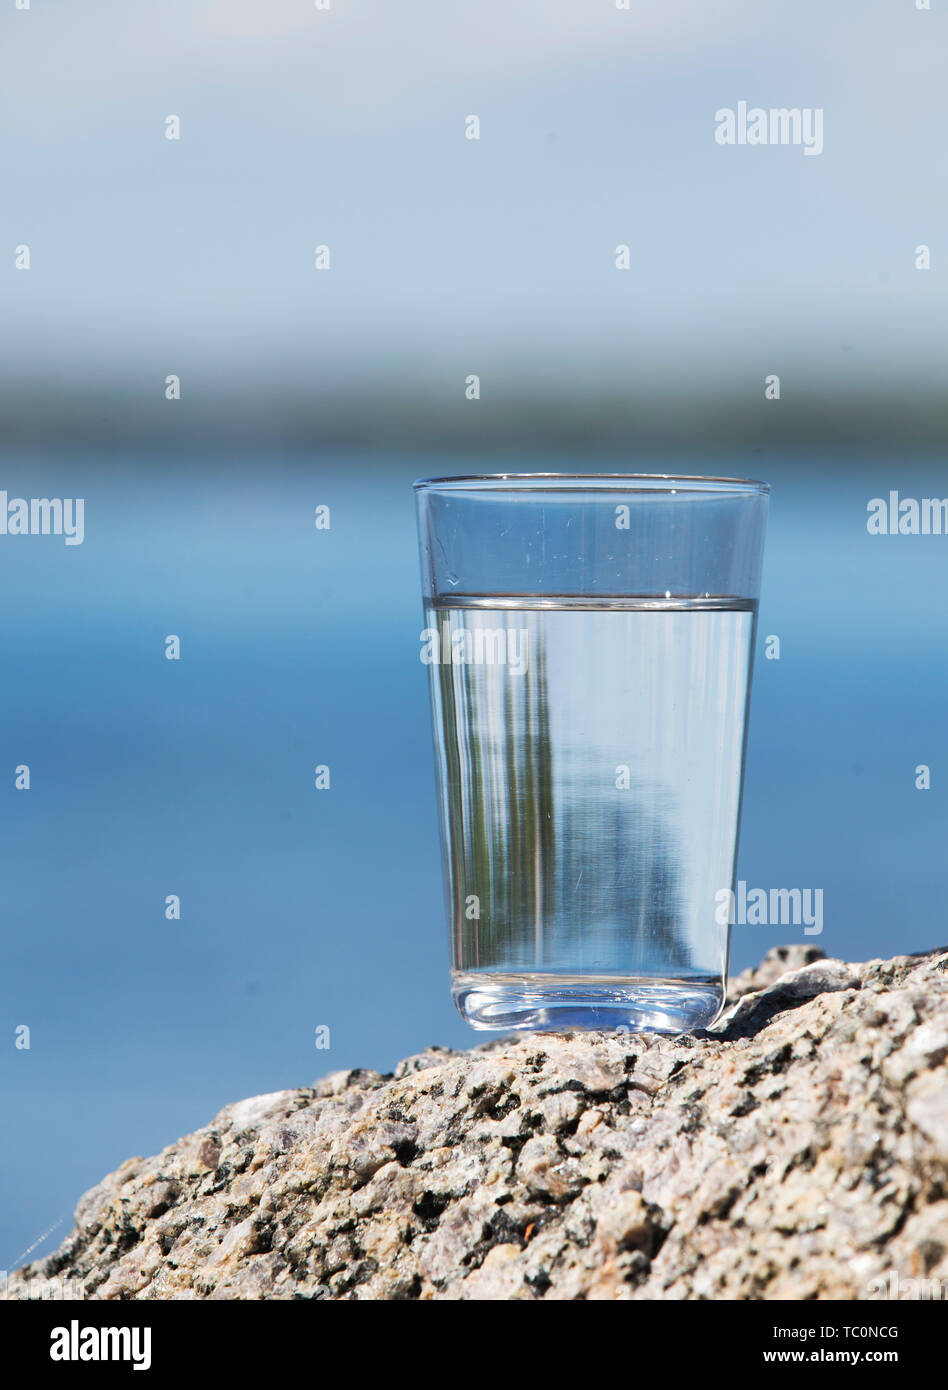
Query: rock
[777,961]
[753,1010]
[797,1150]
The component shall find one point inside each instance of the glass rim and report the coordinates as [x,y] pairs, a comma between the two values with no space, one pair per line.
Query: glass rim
[590,482]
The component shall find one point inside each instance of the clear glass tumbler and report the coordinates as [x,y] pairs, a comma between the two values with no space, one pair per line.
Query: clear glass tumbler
[590,642]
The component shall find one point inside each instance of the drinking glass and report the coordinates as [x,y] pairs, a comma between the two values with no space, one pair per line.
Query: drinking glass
[589,639]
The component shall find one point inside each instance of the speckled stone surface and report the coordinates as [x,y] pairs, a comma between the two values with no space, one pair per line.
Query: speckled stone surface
[799,1150]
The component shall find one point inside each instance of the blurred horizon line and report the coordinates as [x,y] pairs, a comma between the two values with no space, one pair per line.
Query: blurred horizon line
[380,416]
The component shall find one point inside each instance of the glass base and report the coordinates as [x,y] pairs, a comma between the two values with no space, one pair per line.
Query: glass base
[563,1003]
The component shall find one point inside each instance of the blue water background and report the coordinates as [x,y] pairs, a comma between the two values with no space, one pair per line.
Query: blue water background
[303,908]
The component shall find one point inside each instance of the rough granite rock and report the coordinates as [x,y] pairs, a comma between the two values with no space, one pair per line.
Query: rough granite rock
[798,1150]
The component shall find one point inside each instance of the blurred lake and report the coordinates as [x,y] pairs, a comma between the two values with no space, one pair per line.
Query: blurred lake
[302,908]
